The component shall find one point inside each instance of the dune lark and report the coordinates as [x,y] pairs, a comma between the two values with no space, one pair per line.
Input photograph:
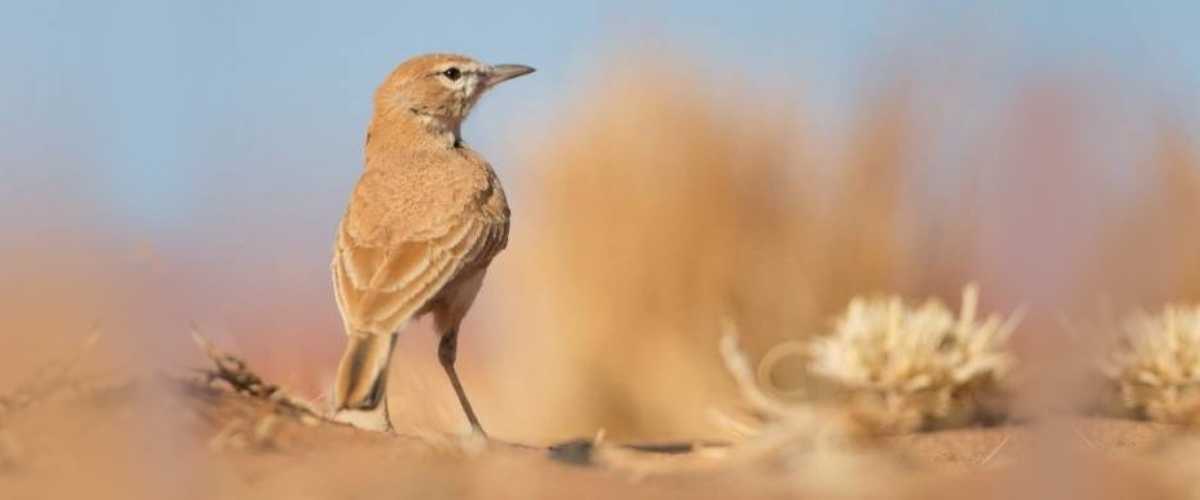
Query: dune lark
[425,220]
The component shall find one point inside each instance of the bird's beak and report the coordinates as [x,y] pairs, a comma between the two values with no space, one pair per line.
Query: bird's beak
[505,72]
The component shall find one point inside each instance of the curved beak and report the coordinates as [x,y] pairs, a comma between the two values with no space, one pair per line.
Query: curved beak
[505,72]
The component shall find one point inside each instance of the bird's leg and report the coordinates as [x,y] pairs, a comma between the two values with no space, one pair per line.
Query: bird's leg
[447,352]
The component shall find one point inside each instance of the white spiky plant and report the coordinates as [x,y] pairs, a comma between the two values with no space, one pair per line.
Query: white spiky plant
[908,368]
[1155,364]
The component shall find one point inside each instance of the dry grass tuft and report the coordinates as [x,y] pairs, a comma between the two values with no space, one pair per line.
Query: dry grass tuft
[658,211]
[248,426]
[1155,365]
[1151,252]
[1172,207]
[910,368]
[235,373]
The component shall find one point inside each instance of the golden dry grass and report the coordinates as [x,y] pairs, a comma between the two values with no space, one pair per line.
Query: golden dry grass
[659,212]
[1151,253]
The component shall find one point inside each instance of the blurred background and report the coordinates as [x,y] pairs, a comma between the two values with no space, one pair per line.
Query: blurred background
[670,166]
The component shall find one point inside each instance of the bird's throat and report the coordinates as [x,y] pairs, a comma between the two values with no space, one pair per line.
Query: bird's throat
[411,131]
[444,131]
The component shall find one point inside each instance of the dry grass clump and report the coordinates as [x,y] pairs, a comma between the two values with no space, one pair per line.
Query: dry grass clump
[1169,215]
[909,368]
[658,210]
[1151,252]
[1155,365]
[245,426]
[235,373]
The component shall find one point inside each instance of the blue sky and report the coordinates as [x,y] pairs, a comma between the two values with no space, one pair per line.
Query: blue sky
[158,115]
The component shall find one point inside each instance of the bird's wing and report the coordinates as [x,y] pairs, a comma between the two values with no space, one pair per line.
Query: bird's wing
[381,286]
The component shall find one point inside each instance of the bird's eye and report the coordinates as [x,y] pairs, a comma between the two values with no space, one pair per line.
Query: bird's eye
[452,73]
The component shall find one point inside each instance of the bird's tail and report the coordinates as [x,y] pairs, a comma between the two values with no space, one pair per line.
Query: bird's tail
[360,392]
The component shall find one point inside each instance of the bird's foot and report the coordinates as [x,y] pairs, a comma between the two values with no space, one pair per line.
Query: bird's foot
[475,442]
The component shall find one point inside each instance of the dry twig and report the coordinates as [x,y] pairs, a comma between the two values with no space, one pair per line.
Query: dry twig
[995,451]
[234,372]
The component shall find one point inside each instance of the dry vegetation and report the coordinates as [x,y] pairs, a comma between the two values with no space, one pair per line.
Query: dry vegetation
[918,368]
[644,239]
[1155,365]
[663,221]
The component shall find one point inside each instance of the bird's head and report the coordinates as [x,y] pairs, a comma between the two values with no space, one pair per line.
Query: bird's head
[440,89]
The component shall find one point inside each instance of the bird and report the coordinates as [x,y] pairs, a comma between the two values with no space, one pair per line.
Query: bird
[425,220]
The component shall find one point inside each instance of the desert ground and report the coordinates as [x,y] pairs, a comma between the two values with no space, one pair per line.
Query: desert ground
[219,431]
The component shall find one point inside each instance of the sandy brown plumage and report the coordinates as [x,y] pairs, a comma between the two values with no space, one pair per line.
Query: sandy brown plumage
[426,218]
[409,232]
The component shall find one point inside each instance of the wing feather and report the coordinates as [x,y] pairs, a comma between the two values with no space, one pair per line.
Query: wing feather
[379,289]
